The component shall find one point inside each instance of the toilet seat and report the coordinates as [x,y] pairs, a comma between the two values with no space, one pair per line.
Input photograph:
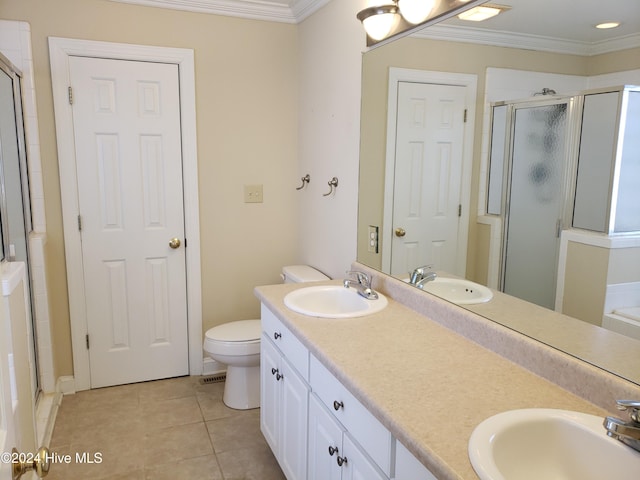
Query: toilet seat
[234,338]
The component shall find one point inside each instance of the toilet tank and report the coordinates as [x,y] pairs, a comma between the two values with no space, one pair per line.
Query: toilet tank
[301,274]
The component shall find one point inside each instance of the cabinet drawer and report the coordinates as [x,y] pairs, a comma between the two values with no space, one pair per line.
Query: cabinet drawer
[361,424]
[286,342]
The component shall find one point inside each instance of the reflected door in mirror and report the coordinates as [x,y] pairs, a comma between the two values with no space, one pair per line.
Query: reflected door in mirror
[428,165]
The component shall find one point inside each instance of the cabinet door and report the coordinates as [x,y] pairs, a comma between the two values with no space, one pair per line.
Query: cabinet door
[269,392]
[324,433]
[357,465]
[293,423]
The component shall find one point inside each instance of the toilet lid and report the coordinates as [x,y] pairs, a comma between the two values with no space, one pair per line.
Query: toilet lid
[240,331]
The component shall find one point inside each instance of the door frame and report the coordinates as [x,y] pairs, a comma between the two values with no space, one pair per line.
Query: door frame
[60,49]
[469,81]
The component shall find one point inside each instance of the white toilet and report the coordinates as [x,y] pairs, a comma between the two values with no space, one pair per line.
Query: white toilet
[237,345]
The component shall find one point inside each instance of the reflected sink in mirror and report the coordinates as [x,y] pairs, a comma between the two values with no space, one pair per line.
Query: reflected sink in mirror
[458,290]
[547,443]
[332,301]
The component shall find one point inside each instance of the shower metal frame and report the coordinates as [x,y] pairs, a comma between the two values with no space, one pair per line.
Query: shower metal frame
[569,172]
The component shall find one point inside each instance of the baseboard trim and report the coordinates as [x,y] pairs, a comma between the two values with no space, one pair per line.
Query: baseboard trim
[66,385]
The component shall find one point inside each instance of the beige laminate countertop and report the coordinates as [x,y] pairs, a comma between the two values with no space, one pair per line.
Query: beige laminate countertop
[428,385]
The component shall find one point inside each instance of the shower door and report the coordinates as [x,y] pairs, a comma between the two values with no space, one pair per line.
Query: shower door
[535,200]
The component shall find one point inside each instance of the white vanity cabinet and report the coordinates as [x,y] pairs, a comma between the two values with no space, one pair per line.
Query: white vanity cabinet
[284,396]
[333,455]
[315,427]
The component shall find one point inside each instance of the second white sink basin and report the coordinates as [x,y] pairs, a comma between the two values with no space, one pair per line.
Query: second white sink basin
[458,290]
[537,444]
[332,301]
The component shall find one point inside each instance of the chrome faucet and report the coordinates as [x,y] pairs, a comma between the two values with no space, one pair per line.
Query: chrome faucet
[627,432]
[362,284]
[422,275]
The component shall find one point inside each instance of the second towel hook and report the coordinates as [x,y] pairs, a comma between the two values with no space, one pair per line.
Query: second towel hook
[333,183]
[305,180]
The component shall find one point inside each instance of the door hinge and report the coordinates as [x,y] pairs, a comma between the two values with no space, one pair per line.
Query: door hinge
[70,92]
[464,119]
[87,338]
[79,223]
[459,210]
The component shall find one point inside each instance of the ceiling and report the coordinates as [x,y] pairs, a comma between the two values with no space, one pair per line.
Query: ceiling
[556,25]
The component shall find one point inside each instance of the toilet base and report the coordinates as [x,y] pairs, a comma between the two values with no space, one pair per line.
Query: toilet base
[242,388]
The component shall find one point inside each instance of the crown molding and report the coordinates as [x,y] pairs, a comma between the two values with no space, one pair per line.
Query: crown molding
[294,11]
[525,41]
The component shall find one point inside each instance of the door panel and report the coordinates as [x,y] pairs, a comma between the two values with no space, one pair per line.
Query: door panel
[429,155]
[129,169]
[536,202]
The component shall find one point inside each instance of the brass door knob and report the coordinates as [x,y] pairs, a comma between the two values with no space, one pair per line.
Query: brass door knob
[174,243]
[400,232]
[23,463]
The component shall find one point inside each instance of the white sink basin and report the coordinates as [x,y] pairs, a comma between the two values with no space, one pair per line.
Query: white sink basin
[458,290]
[537,444]
[332,301]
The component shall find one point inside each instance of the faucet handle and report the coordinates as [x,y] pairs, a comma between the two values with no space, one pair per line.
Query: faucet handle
[632,406]
[363,278]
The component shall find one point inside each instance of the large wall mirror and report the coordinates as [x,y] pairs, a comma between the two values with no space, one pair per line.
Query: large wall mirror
[536,60]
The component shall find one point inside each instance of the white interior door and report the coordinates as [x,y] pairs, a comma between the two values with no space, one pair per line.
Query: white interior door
[126,120]
[428,172]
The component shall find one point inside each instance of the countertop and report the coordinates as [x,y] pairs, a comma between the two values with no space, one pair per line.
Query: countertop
[428,385]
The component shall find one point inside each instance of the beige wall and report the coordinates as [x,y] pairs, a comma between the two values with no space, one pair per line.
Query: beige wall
[246,93]
[585,282]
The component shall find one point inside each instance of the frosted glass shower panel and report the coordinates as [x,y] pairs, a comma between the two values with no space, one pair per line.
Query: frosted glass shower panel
[627,212]
[497,162]
[536,203]
[596,161]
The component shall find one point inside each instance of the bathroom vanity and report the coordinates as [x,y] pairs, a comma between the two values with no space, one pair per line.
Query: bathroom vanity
[396,394]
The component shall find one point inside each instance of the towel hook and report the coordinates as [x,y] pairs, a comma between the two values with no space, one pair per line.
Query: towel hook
[306,179]
[333,183]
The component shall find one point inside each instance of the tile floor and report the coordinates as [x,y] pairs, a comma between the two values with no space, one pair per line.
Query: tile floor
[168,429]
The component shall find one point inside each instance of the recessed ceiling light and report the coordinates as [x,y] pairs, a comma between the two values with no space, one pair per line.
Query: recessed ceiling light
[608,25]
[483,12]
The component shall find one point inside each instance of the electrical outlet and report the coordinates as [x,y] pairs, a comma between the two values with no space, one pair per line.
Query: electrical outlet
[373,239]
[253,194]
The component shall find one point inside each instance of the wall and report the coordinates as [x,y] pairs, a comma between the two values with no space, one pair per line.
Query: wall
[330,46]
[585,282]
[246,92]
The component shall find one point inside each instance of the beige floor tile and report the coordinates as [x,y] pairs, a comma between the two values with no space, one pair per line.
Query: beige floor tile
[236,432]
[250,464]
[167,389]
[168,413]
[159,430]
[202,468]
[213,408]
[176,443]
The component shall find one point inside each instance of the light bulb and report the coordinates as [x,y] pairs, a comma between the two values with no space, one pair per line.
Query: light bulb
[416,11]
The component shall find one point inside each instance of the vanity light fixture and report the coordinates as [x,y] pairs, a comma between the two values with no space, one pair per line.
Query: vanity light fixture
[606,25]
[379,20]
[401,17]
[482,12]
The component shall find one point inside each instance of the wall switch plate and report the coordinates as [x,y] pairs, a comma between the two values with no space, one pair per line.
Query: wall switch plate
[372,239]
[253,194]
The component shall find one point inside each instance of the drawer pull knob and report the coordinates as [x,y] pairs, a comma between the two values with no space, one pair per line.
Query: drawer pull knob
[332,450]
[341,460]
[274,371]
[337,405]
[276,335]
[279,377]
